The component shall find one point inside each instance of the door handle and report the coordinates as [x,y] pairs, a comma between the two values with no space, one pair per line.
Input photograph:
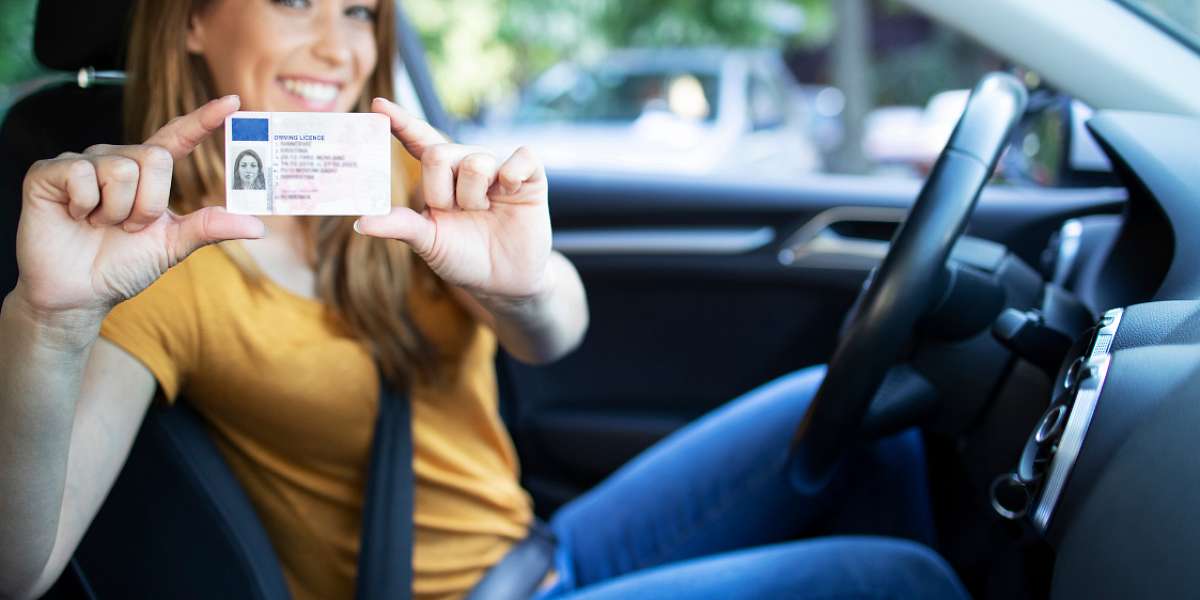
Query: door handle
[850,237]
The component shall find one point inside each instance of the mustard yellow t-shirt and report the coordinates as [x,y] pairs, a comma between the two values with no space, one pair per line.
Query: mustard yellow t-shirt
[291,401]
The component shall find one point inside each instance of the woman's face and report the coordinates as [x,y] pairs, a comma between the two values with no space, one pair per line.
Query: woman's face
[248,168]
[288,55]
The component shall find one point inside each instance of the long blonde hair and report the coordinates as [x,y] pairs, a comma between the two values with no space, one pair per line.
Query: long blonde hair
[363,281]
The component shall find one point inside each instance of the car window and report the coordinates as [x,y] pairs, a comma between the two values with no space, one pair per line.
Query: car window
[606,93]
[846,87]
[18,69]
[868,88]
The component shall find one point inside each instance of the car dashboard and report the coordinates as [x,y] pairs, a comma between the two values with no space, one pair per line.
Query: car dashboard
[1109,472]
[1154,254]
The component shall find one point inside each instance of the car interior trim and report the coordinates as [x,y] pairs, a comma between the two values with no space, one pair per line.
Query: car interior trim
[1069,239]
[419,77]
[1091,384]
[664,241]
[819,244]
[1144,67]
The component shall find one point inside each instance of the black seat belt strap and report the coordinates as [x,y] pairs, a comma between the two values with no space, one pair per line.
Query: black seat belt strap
[385,550]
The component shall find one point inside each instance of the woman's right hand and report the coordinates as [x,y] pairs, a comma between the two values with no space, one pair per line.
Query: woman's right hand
[95,229]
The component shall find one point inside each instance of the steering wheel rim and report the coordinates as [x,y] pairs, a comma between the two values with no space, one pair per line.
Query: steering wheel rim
[908,280]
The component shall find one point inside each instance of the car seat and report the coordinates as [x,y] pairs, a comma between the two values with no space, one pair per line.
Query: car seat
[176,524]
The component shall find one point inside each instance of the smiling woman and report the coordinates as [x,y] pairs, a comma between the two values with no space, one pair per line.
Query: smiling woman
[336,56]
[228,52]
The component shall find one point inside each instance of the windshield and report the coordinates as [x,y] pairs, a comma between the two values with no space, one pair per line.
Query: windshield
[1180,18]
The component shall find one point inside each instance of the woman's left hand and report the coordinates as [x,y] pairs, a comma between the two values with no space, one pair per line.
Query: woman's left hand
[486,223]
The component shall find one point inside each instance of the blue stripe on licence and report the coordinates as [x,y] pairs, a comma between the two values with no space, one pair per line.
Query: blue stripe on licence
[250,130]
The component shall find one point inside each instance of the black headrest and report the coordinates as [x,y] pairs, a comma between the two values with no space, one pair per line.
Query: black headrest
[43,125]
[70,34]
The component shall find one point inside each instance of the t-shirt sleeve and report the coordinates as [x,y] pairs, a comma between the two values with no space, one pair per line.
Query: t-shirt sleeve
[158,327]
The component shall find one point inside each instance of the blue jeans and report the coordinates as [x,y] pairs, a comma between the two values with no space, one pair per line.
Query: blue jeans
[709,512]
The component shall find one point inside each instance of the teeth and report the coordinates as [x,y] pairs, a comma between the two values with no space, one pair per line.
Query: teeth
[311,90]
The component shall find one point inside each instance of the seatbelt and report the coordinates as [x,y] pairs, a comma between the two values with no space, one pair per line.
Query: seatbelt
[385,549]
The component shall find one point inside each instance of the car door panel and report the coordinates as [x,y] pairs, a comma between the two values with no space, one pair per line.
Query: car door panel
[691,304]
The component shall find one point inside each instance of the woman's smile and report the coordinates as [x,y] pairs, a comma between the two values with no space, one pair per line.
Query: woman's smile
[310,93]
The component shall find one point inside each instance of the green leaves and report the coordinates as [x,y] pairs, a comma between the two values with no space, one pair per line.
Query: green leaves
[481,49]
[16,34]
[16,49]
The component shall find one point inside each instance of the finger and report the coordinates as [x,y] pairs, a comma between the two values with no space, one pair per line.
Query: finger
[416,135]
[476,173]
[96,149]
[118,178]
[83,188]
[183,134]
[438,166]
[402,224]
[155,166]
[68,180]
[521,167]
[212,224]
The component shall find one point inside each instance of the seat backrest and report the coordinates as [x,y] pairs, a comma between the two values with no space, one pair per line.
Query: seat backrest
[45,124]
[177,523]
[67,36]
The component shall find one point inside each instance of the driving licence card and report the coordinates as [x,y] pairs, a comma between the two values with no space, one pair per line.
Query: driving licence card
[300,163]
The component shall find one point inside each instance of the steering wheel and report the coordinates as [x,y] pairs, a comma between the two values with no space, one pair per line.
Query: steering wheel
[909,281]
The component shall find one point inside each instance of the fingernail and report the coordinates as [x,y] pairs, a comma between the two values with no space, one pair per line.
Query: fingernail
[356,229]
[234,97]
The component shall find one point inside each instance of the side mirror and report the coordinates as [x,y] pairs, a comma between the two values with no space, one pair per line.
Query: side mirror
[1052,145]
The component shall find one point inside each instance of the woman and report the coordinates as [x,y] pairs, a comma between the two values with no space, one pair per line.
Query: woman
[248,171]
[279,335]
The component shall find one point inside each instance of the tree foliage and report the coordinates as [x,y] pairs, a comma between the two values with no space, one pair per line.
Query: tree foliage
[480,48]
[16,31]
[16,52]
[483,50]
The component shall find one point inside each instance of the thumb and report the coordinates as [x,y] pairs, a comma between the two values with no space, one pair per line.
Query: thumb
[402,224]
[213,224]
